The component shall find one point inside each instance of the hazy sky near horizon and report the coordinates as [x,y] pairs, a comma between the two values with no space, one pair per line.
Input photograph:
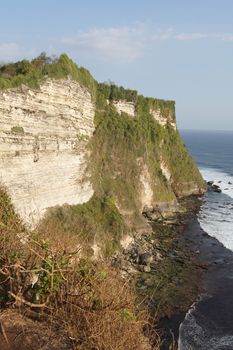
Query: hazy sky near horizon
[171,49]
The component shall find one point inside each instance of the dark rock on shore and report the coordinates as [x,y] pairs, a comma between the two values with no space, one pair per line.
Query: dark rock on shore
[213,187]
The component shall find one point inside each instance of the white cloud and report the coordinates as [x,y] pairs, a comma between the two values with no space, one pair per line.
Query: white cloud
[191,36]
[8,51]
[226,37]
[128,43]
[198,36]
[118,44]
[171,34]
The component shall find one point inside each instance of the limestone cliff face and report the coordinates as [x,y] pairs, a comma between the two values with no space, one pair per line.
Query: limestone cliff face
[44,135]
[125,106]
[43,138]
[157,115]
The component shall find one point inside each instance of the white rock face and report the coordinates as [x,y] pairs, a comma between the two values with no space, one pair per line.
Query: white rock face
[43,138]
[126,241]
[166,172]
[96,252]
[146,192]
[125,106]
[156,113]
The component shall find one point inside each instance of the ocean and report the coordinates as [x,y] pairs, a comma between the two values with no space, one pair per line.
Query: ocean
[213,154]
[208,325]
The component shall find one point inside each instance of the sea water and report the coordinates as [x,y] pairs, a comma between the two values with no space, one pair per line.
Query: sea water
[213,154]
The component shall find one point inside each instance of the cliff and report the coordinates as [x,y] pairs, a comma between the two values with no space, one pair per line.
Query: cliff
[81,165]
[43,138]
[67,140]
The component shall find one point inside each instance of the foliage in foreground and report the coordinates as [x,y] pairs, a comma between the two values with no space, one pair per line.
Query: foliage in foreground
[88,303]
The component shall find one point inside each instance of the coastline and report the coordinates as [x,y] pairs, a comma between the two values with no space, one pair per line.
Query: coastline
[164,286]
[207,323]
[187,242]
[213,312]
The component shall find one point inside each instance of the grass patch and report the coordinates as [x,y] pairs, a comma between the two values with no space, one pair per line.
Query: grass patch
[185,174]
[97,221]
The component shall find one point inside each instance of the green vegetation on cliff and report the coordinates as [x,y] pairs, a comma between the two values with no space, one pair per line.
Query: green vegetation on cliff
[113,92]
[96,221]
[32,73]
[78,297]
[123,151]
[121,146]
[124,146]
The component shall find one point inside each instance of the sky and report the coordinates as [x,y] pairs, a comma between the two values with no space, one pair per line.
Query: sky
[179,50]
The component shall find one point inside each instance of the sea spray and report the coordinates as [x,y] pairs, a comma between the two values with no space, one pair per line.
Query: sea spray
[216,214]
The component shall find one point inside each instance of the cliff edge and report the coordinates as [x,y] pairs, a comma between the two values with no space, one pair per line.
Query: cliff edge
[66,140]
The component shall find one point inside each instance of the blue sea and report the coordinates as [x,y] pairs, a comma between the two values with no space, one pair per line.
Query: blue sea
[213,154]
[208,325]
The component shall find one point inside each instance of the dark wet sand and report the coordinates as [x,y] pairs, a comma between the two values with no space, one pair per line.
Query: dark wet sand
[216,310]
[218,278]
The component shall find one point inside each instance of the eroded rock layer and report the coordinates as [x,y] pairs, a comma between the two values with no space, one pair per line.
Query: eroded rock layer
[43,138]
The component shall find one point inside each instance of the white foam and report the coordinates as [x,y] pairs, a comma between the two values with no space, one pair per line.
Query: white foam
[194,336]
[216,214]
[215,175]
[216,218]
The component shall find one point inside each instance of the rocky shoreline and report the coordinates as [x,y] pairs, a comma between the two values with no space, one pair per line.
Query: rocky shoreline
[161,262]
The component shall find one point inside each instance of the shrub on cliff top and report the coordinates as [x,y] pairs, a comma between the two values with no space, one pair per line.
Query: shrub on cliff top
[97,221]
[32,73]
[114,92]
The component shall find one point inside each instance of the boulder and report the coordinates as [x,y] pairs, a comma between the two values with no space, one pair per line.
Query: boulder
[218,190]
[145,259]
[146,268]
[215,188]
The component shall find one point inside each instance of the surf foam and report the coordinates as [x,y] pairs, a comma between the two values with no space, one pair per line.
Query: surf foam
[216,213]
